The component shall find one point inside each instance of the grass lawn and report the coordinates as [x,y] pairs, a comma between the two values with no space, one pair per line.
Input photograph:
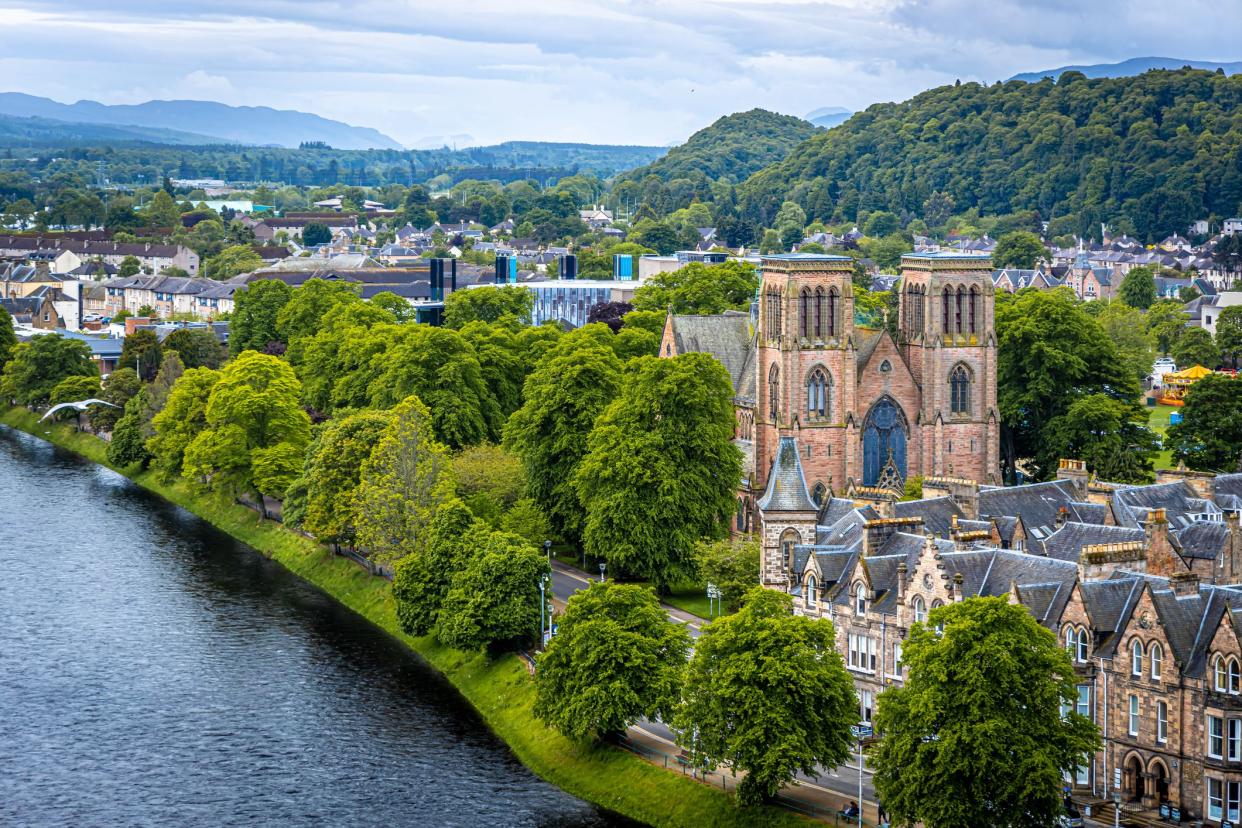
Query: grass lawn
[1158,421]
[500,689]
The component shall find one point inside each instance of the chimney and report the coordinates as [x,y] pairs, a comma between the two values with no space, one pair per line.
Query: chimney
[1075,471]
[957,586]
[1062,516]
[1229,566]
[1162,560]
[1184,583]
[902,573]
[877,532]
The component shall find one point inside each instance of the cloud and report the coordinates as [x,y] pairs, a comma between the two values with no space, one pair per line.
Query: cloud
[617,71]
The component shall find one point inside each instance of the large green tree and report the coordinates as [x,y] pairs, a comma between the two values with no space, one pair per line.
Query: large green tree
[1166,321]
[661,469]
[700,288]
[1196,347]
[255,310]
[766,692]
[732,565]
[1209,437]
[232,261]
[489,303]
[1125,327]
[422,578]
[142,352]
[121,386]
[981,711]
[8,338]
[1021,249]
[1111,435]
[37,366]
[1050,353]
[127,444]
[1228,333]
[1138,287]
[302,314]
[333,469]
[256,430]
[616,658]
[197,347]
[180,420]
[494,602]
[403,482]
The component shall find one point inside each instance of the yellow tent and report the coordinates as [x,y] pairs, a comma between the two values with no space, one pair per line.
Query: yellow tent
[1179,382]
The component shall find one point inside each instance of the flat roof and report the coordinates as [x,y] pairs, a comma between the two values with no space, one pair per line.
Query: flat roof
[568,283]
[806,257]
[946,254]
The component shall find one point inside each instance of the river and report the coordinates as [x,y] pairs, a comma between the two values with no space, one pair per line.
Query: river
[153,671]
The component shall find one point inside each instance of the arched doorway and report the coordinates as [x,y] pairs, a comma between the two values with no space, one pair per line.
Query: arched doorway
[1158,777]
[1133,771]
[884,443]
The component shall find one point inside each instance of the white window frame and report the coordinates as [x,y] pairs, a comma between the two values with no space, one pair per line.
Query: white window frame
[1162,722]
[920,609]
[866,704]
[809,597]
[1215,736]
[1132,723]
[1083,705]
[861,656]
[1136,658]
[1233,798]
[1235,674]
[1233,740]
[895,667]
[1215,799]
[1157,659]
[860,600]
[1083,645]
[1220,676]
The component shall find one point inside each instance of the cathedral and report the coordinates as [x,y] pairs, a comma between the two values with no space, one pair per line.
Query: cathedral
[826,406]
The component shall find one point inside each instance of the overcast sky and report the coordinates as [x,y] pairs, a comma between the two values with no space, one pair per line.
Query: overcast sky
[603,71]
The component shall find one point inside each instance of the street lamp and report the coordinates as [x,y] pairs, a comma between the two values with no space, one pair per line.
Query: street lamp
[601,572]
[1116,809]
[547,548]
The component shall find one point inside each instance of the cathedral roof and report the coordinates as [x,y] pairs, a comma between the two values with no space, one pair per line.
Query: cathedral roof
[786,490]
[726,336]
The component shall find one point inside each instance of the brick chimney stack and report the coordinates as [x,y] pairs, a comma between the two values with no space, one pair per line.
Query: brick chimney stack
[1229,566]
[1076,472]
[1162,559]
[1185,583]
[903,573]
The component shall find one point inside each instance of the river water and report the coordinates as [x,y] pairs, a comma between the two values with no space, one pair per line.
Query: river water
[153,671]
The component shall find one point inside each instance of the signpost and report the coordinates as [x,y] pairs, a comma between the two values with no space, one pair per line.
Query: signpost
[861,731]
[713,594]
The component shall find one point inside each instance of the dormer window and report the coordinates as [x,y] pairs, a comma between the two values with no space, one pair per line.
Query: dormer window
[1136,658]
[920,609]
[860,600]
[1157,660]
[808,592]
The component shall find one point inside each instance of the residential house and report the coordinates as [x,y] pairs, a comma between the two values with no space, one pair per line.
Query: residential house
[36,311]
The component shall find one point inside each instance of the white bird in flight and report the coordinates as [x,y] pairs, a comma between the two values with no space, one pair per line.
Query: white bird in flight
[79,406]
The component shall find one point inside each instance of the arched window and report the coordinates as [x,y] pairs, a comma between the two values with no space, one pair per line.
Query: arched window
[974,303]
[832,311]
[809,595]
[1136,658]
[819,313]
[1157,659]
[788,541]
[947,308]
[741,514]
[959,390]
[1071,640]
[920,609]
[818,394]
[774,392]
[819,493]
[1221,676]
[1083,643]
[1234,676]
[860,599]
[804,313]
[961,296]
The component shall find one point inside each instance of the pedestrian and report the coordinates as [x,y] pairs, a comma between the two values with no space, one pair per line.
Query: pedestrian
[881,816]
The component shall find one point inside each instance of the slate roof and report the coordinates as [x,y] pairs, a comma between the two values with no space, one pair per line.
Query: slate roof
[1066,543]
[726,336]
[1203,539]
[1178,499]
[1228,484]
[1036,503]
[786,490]
[937,513]
[1088,512]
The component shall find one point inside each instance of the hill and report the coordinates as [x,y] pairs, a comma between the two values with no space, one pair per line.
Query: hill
[1148,154]
[734,147]
[1127,68]
[222,123]
[829,116]
[16,130]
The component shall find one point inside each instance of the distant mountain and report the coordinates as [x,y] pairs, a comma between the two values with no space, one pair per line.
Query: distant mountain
[230,124]
[14,130]
[829,116]
[734,146]
[1133,66]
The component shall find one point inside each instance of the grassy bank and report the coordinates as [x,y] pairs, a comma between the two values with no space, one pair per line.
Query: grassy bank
[500,690]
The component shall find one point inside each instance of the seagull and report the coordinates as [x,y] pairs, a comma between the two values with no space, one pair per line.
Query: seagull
[80,406]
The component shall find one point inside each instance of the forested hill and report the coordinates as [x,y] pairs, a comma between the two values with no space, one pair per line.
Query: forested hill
[1153,152]
[734,146]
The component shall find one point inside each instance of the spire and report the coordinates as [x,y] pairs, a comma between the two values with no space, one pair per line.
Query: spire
[787,490]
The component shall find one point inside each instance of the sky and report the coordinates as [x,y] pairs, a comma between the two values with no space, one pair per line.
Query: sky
[474,72]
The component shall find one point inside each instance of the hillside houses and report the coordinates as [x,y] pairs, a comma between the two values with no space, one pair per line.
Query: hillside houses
[63,254]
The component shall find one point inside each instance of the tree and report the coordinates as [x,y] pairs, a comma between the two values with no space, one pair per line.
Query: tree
[1138,287]
[303,313]
[881,223]
[490,303]
[422,578]
[616,658]
[528,521]
[731,564]
[1166,321]
[937,208]
[661,468]
[333,468]
[197,347]
[700,288]
[37,366]
[1196,347]
[158,392]
[489,480]
[1209,437]
[1228,333]
[500,365]
[141,351]
[8,337]
[255,310]
[494,601]
[75,389]
[982,710]
[315,234]
[609,313]
[256,428]
[401,484]
[121,386]
[564,395]
[766,692]
[1049,354]
[180,420]
[126,446]
[162,211]
[1021,249]
[1110,435]
[232,261]
[1125,327]
[400,308]
[129,266]
[660,236]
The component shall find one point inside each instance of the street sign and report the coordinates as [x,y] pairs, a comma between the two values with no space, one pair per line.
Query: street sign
[1117,778]
[713,591]
[862,731]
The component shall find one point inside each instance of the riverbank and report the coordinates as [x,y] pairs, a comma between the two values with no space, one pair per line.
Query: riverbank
[500,690]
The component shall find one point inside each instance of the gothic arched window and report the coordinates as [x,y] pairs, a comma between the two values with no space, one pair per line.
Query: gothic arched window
[961,297]
[818,394]
[947,307]
[959,390]
[819,313]
[804,313]
[832,311]
[974,303]
[741,514]
[774,392]
[819,493]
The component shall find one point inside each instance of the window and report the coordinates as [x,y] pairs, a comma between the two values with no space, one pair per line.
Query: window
[1083,644]
[1234,676]
[1216,800]
[974,301]
[866,699]
[860,599]
[961,295]
[1215,735]
[861,655]
[1133,727]
[819,313]
[1162,722]
[819,494]
[774,392]
[804,313]
[1234,740]
[1084,701]
[818,394]
[920,609]
[959,390]
[1082,773]
[895,670]
[1157,657]
[1136,658]
[832,312]
[809,594]
[1233,794]
[1221,678]
[947,308]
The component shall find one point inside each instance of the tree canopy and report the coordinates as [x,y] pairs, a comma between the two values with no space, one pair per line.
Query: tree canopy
[700,288]
[37,366]
[255,311]
[489,303]
[180,420]
[1209,437]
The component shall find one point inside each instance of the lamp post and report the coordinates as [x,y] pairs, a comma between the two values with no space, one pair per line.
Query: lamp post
[601,571]
[547,548]
[543,604]
[1116,809]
